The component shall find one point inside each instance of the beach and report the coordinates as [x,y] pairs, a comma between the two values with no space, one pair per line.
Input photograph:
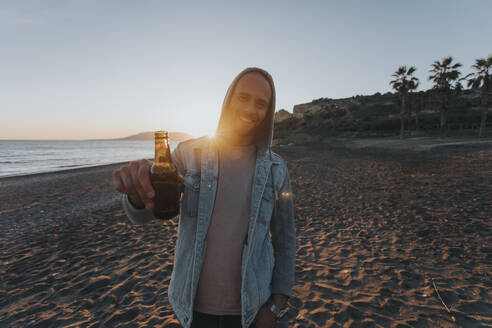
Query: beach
[380,227]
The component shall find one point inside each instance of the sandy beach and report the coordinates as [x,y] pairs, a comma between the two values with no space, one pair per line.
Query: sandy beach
[377,224]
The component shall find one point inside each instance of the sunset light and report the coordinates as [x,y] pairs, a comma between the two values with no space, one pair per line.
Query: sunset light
[245,164]
[89,82]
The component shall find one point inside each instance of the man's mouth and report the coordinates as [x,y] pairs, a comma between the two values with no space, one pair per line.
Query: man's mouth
[247,119]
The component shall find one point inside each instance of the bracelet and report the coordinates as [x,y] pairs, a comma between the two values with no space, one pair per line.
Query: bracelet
[276,311]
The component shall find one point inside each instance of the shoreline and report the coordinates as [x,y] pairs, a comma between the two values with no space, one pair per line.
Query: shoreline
[61,171]
[417,144]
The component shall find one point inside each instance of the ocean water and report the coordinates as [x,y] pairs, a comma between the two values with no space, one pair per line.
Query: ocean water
[21,157]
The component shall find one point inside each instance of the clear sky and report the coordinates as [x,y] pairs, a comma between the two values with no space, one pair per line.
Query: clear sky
[102,69]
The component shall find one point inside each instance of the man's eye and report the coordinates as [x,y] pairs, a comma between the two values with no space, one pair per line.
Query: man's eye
[243,97]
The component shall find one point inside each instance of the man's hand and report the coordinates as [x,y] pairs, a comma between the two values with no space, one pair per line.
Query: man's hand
[265,318]
[134,180]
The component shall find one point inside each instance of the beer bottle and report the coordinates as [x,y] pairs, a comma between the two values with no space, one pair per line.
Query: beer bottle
[164,179]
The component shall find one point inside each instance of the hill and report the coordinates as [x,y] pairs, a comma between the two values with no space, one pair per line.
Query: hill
[149,135]
[375,116]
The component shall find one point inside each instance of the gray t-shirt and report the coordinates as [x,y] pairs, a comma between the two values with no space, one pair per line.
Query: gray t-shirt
[219,287]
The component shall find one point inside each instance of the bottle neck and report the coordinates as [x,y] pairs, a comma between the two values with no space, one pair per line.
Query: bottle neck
[162,153]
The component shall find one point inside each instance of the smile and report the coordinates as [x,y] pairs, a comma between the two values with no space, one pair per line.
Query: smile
[246,120]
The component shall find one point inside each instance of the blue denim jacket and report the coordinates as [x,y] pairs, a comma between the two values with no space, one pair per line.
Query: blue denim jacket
[268,262]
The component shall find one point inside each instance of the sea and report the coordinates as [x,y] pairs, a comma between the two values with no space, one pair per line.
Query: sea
[22,157]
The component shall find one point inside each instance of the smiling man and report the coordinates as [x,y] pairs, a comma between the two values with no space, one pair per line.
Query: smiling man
[234,260]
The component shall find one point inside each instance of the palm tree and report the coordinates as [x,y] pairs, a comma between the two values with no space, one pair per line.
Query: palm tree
[446,79]
[419,100]
[403,83]
[482,79]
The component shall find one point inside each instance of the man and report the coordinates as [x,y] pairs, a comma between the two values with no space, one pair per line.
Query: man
[228,271]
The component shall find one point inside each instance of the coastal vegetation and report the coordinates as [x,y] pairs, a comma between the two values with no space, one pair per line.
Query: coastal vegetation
[447,83]
[446,109]
[404,83]
[481,79]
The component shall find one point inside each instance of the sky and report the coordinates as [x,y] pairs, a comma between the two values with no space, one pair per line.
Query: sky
[81,69]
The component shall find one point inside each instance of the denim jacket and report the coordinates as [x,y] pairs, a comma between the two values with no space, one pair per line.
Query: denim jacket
[268,257]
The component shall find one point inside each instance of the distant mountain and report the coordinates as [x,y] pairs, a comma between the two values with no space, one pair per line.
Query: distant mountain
[149,135]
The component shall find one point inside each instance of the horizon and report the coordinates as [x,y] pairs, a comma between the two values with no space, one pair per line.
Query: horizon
[114,69]
[94,139]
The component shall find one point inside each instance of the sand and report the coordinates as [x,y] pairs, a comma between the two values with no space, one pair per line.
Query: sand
[375,226]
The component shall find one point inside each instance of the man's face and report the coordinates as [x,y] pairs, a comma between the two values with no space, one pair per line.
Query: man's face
[249,103]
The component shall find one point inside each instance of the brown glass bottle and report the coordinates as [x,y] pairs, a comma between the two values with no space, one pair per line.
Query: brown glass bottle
[164,179]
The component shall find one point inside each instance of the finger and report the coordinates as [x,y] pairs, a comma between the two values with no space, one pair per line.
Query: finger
[117,183]
[141,192]
[128,185]
[144,179]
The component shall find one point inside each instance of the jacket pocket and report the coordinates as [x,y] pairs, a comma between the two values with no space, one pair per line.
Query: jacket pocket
[268,194]
[191,195]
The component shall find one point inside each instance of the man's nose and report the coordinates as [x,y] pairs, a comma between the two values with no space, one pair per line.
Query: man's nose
[250,108]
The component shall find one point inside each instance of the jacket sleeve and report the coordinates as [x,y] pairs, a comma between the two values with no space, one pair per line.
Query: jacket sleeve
[136,216]
[177,158]
[142,216]
[283,231]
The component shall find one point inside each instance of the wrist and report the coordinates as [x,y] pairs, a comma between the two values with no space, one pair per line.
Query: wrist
[280,300]
[277,311]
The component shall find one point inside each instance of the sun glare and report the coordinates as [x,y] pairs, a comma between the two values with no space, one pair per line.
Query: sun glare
[202,125]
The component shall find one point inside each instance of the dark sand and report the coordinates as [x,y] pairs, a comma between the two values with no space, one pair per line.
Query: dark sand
[374,226]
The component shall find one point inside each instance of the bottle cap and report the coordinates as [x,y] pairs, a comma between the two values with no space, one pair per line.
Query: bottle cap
[161,134]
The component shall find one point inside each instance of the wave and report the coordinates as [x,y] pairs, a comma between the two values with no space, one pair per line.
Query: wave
[13,162]
[72,165]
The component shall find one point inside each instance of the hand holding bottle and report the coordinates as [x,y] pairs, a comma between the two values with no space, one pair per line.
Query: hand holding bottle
[133,179]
